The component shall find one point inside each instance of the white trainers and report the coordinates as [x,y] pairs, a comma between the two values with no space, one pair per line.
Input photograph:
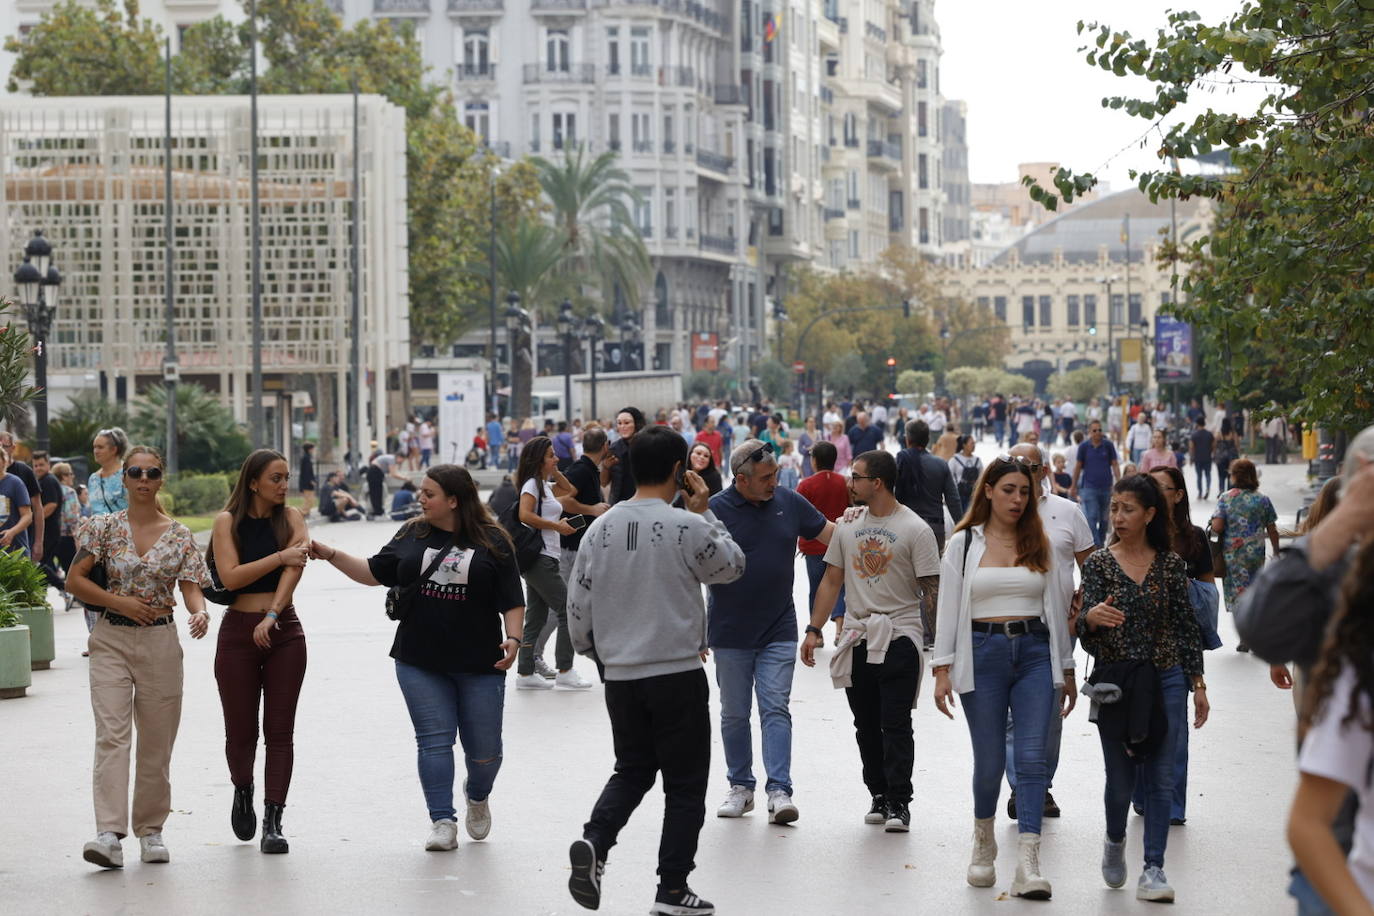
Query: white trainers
[1154,886]
[571,680]
[443,836]
[478,820]
[104,851]
[543,668]
[739,802]
[152,849]
[781,810]
[532,682]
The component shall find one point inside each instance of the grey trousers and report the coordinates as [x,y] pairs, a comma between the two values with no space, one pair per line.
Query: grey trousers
[565,565]
[545,592]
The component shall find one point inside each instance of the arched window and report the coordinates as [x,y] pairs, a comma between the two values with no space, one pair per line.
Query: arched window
[476,53]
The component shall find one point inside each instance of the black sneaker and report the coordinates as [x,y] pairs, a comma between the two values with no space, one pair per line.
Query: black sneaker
[1011,805]
[1051,807]
[1177,821]
[680,903]
[878,813]
[587,867]
[898,818]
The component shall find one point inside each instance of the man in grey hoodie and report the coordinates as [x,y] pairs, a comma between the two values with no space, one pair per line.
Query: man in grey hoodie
[635,606]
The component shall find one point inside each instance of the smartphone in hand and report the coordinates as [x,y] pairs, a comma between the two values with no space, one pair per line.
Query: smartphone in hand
[577,521]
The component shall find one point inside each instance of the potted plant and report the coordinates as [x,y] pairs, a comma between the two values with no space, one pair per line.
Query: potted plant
[15,675]
[28,589]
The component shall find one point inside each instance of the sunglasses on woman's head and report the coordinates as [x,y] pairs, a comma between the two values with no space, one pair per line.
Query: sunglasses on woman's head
[137,473]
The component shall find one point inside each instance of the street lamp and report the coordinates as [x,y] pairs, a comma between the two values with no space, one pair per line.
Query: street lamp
[944,357]
[1111,323]
[37,281]
[629,336]
[593,329]
[517,319]
[567,324]
[779,318]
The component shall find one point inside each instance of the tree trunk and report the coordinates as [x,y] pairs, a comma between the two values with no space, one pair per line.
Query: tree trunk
[325,415]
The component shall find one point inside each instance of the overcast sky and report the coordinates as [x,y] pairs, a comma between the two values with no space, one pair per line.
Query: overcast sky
[1032,97]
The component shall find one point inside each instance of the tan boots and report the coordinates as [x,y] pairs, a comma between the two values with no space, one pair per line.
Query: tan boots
[1028,882]
[982,868]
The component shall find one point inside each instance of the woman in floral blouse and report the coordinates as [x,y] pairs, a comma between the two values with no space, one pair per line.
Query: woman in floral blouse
[136,655]
[1136,593]
[1244,516]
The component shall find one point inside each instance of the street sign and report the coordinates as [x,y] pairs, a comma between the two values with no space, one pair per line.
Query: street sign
[799,367]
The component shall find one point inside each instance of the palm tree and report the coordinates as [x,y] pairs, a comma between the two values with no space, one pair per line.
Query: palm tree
[528,255]
[16,351]
[592,202]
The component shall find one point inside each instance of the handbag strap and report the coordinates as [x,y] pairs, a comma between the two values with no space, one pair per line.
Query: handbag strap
[434,564]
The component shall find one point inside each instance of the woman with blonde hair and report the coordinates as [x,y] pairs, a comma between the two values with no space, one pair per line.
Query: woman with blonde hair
[106,486]
[1001,648]
[843,453]
[136,674]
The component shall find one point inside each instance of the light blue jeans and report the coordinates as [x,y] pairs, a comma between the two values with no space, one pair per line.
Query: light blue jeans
[1010,673]
[444,706]
[767,672]
[1095,502]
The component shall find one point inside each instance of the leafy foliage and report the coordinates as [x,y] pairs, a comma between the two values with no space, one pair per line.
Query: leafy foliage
[775,380]
[22,580]
[84,49]
[208,439]
[15,352]
[199,494]
[72,430]
[1280,289]
[1082,384]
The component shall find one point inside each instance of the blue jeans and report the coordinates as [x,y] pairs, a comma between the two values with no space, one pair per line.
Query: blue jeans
[1053,738]
[767,672]
[444,705]
[1204,475]
[999,431]
[1010,672]
[1095,502]
[1155,771]
[1178,805]
[815,571]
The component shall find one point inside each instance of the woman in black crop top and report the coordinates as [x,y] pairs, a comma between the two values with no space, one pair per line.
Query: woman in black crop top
[260,546]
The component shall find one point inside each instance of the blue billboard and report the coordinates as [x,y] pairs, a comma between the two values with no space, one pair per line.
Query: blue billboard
[1173,350]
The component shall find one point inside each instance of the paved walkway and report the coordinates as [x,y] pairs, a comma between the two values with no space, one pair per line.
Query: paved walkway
[357,822]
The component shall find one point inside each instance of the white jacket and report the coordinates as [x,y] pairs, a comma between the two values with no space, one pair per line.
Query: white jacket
[954,618]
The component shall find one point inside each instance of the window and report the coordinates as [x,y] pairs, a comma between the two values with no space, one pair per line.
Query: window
[852,186]
[613,51]
[836,253]
[922,172]
[923,226]
[644,210]
[670,213]
[667,133]
[1090,310]
[851,129]
[853,243]
[639,132]
[613,130]
[921,129]
[534,132]
[639,52]
[999,306]
[1135,308]
[478,120]
[556,51]
[1072,303]
[1046,312]
[564,129]
[1028,311]
[921,76]
[1118,309]
[476,56]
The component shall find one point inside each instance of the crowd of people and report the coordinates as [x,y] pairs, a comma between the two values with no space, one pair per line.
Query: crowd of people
[651,546]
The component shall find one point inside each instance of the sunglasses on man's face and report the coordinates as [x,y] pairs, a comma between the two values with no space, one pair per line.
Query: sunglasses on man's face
[137,473]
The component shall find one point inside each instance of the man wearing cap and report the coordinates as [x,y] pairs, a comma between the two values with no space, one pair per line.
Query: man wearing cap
[751,625]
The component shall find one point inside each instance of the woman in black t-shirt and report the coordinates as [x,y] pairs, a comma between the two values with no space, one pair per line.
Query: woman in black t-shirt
[450,657]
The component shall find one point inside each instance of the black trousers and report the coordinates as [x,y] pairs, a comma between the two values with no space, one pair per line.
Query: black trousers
[881,698]
[659,724]
[376,487]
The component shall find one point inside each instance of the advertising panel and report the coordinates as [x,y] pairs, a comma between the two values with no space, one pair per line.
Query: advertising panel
[1173,349]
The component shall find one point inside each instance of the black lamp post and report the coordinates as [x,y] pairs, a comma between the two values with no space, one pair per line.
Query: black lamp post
[567,324]
[37,281]
[594,329]
[517,320]
[629,336]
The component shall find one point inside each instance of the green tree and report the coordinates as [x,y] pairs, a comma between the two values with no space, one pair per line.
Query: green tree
[1082,384]
[775,380]
[1282,281]
[208,439]
[73,428]
[915,383]
[846,372]
[79,49]
[966,381]
[15,354]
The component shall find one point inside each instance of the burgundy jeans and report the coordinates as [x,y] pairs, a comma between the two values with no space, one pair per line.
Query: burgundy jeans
[245,673]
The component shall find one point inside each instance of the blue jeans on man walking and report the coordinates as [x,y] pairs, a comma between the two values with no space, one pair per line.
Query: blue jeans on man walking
[815,571]
[444,706]
[1095,502]
[741,674]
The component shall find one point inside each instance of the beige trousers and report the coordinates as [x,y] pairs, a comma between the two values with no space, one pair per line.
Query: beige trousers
[135,681]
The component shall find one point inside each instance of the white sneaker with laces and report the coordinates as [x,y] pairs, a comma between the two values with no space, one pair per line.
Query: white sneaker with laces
[532,682]
[443,836]
[739,802]
[544,669]
[152,849]
[104,851]
[571,680]
[781,810]
[478,820]
[1154,886]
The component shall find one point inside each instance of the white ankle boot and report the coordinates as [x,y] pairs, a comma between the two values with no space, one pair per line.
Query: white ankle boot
[1028,882]
[982,868]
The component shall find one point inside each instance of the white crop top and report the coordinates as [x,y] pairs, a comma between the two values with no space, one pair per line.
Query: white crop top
[1006,591]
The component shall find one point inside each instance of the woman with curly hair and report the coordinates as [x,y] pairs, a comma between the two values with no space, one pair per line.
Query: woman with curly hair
[1337,728]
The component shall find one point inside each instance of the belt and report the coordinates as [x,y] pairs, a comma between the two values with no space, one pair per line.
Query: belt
[1010,628]
[120,620]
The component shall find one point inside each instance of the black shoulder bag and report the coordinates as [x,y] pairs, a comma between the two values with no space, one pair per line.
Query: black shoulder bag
[98,576]
[216,593]
[400,598]
[528,543]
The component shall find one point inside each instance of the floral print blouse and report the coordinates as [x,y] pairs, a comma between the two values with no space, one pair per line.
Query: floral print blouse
[1160,625]
[153,576]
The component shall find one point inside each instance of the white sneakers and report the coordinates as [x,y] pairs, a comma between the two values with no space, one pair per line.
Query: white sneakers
[443,836]
[543,668]
[478,820]
[1028,882]
[781,810]
[1154,886]
[738,802]
[571,679]
[152,849]
[104,851]
[982,867]
[532,682]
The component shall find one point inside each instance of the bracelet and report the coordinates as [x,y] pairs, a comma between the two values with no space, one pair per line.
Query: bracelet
[815,629]
[272,615]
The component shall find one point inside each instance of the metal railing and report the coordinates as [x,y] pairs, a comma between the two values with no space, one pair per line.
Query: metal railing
[853,203]
[537,5]
[722,244]
[484,71]
[714,161]
[393,7]
[644,146]
[475,6]
[729,94]
[851,142]
[669,146]
[576,73]
[831,213]
[884,150]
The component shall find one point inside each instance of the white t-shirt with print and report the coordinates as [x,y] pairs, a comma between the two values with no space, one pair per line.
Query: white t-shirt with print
[1069,534]
[882,557]
[550,510]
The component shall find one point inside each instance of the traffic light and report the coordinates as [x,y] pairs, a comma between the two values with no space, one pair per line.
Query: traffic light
[1092,330]
[892,375]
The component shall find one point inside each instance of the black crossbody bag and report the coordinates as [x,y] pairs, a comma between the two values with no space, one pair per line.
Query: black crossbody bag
[400,598]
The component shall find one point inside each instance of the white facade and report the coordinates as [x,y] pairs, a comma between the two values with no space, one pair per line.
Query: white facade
[89,172]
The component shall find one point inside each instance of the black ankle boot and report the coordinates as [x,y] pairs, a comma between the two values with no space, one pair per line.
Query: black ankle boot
[272,840]
[241,816]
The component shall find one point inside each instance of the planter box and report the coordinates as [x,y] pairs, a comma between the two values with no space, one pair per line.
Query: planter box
[15,675]
[42,647]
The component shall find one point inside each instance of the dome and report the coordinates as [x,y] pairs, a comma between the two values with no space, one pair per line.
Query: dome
[1081,233]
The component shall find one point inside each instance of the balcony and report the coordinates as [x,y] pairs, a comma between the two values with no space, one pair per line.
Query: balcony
[720,244]
[729,94]
[852,142]
[875,31]
[887,153]
[400,7]
[670,232]
[880,93]
[614,145]
[831,213]
[467,73]
[715,161]
[684,77]
[558,6]
[854,203]
[644,146]
[646,231]
[827,95]
[669,147]
[576,73]
[460,7]
[640,71]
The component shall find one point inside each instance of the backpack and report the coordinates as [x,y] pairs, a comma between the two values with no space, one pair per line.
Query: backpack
[968,479]
[529,544]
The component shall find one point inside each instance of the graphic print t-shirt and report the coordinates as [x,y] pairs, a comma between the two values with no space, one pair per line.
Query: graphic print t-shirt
[882,557]
[454,623]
